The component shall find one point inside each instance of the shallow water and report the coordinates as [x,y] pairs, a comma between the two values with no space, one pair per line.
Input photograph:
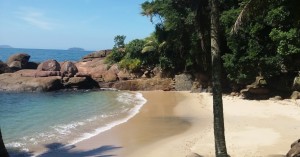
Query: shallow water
[32,120]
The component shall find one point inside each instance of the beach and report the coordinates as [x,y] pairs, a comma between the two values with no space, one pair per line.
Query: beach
[179,124]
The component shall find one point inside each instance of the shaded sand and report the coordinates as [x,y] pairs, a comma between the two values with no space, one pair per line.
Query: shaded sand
[178,124]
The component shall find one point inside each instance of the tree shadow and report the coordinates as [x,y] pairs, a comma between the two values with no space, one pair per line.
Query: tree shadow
[59,150]
[19,153]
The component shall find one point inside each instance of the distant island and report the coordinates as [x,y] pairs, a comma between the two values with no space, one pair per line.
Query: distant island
[76,49]
[5,46]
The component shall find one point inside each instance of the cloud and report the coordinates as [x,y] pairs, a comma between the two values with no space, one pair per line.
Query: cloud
[35,18]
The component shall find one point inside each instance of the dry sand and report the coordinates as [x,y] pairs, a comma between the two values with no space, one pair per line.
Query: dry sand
[178,124]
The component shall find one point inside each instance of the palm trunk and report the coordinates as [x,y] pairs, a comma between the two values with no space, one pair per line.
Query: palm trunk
[220,144]
[3,151]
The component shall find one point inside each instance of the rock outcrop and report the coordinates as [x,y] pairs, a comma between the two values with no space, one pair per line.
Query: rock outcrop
[165,84]
[257,90]
[19,83]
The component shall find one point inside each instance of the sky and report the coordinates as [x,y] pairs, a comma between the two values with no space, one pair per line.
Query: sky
[62,24]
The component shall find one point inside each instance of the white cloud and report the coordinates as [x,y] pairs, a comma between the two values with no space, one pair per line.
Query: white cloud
[35,18]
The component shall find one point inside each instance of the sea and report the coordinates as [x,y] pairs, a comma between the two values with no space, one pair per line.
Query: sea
[31,120]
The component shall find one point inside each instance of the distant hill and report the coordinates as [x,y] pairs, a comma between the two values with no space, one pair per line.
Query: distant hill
[76,49]
[5,46]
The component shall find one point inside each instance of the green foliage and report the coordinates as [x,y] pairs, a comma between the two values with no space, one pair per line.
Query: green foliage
[287,41]
[130,64]
[115,56]
[264,44]
[119,41]
[181,35]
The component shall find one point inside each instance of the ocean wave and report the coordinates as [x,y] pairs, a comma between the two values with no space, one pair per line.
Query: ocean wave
[135,99]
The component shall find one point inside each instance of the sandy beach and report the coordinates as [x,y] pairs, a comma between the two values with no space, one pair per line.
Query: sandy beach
[179,124]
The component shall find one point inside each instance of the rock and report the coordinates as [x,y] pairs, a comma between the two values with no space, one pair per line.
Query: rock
[276,98]
[49,65]
[97,54]
[23,58]
[183,82]
[68,69]
[15,65]
[37,73]
[82,74]
[234,94]
[4,68]
[294,143]
[95,68]
[124,75]
[295,150]
[296,83]
[16,82]
[157,72]
[110,76]
[81,83]
[295,95]
[196,88]
[32,65]
[145,84]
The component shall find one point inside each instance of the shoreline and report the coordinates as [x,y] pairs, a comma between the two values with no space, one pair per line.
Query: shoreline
[181,123]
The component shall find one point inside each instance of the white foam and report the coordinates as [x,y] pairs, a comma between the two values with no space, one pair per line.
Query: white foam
[138,99]
[66,129]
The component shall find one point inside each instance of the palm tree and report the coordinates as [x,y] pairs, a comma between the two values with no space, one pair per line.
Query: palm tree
[3,151]
[219,131]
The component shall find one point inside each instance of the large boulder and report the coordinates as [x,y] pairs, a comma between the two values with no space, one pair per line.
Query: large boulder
[295,149]
[68,69]
[183,82]
[49,65]
[22,58]
[4,68]
[19,83]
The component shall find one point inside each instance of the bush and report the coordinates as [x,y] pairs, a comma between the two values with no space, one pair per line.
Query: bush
[130,64]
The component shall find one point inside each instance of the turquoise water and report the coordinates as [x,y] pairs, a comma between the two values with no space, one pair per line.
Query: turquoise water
[31,120]
[39,55]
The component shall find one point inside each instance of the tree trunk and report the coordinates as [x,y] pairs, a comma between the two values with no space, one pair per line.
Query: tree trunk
[220,144]
[3,151]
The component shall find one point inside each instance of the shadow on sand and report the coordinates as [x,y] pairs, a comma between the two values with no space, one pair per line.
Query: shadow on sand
[59,150]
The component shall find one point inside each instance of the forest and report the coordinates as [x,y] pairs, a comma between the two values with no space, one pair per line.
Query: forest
[260,38]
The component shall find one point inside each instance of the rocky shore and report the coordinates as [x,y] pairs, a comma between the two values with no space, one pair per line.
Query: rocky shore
[19,74]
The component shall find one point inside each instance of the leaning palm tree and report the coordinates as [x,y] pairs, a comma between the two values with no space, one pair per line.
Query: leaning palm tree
[3,151]
[251,8]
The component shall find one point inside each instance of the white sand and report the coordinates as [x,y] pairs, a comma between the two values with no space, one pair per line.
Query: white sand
[253,128]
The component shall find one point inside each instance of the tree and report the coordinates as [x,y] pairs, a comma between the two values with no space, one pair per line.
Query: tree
[119,41]
[219,131]
[3,151]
